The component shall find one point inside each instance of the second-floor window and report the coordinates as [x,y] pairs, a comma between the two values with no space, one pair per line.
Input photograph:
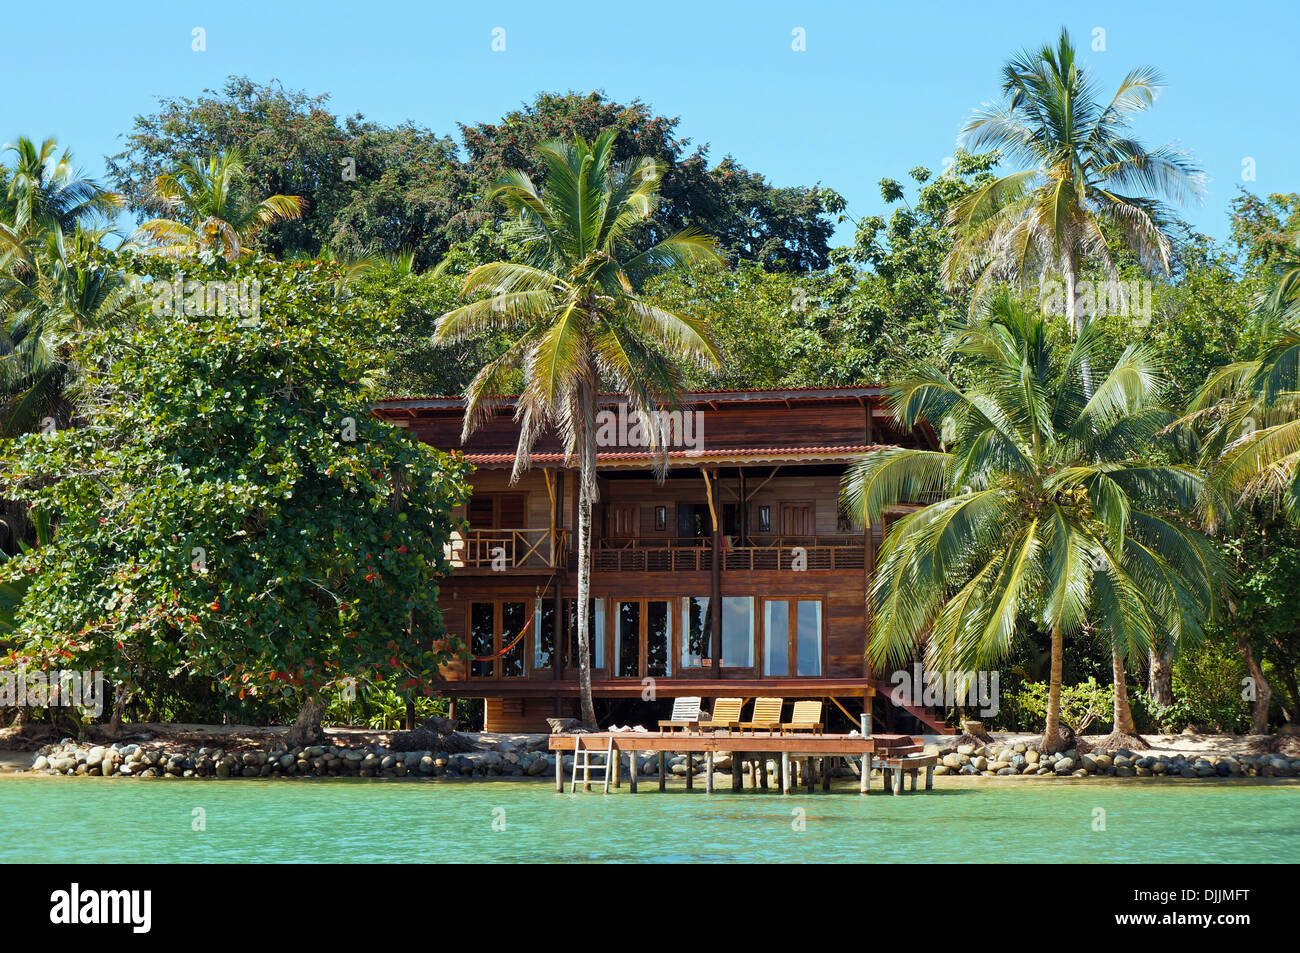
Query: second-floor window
[497,511]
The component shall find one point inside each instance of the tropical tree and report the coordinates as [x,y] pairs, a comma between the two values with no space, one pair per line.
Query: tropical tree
[1082,173]
[207,195]
[45,199]
[576,319]
[1051,512]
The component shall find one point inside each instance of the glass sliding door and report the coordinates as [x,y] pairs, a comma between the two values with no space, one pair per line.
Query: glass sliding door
[659,639]
[808,639]
[514,616]
[595,631]
[738,631]
[627,640]
[482,641]
[776,638]
[697,635]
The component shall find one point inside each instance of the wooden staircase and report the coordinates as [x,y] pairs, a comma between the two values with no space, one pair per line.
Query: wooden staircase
[927,716]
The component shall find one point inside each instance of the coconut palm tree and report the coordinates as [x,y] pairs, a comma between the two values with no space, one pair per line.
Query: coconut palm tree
[575,319]
[1081,171]
[1051,512]
[208,213]
[45,199]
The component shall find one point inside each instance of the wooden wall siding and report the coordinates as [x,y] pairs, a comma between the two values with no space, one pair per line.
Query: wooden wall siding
[729,427]
[524,714]
[841,594]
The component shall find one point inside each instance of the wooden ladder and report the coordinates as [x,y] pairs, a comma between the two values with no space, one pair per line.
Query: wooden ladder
[582,759]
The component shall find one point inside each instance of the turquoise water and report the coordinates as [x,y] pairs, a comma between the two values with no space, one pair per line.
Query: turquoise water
[74,820]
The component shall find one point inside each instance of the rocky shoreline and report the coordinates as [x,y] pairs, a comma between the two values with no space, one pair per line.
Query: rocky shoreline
[529,759]
[1005,760]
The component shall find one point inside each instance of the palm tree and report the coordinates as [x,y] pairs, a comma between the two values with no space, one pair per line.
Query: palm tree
[217,222]
[46,199]
[576,321]
[1050,512]
[1081,172]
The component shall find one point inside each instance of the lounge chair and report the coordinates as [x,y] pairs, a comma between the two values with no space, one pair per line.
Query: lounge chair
[726,714]
[766,717]
[807,717]
[686,714]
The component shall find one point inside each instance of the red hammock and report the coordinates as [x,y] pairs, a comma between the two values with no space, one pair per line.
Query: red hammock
[505,651]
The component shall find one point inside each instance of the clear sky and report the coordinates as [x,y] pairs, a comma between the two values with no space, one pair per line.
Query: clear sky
[880,88]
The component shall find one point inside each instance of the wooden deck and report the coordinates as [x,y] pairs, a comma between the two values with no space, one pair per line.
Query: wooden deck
[541,685]
[896,750]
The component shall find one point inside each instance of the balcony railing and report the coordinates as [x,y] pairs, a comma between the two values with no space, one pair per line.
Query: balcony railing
[694,554]
[508,549]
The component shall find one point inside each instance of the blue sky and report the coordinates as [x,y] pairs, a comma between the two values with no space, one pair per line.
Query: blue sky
[880,88]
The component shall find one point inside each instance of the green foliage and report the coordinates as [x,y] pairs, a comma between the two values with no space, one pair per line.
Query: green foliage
[219,520]
[1084,706]
[381,709]
[1208,687]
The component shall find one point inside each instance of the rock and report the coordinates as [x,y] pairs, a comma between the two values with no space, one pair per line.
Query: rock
[95,756]
[966,749]
[952,760]
[1064,766]
[1032,756]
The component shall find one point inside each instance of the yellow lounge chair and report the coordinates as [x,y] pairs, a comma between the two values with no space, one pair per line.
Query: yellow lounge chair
[807,717]
[686,714]
[766,717]
[726,714]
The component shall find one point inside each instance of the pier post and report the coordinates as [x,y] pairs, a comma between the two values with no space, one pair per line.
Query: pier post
[663,781]
[559,772]
[708,768]
[737,772]
[811,773]
[632,758]
[898,780]
[617,766]
[826,773]
[785,772]
[864,785]
[690,771]
[929,777]
[762,769]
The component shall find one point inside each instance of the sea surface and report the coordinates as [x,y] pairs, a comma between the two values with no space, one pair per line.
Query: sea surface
[126,820]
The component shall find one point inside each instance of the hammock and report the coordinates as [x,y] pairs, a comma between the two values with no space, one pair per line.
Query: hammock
[505,651]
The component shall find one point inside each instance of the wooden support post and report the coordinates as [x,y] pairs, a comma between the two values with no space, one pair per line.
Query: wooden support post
[864,784]
[929,777]
[617,766]
[898,781]
[633,757]
[810,775]
[708,769]
[826,773]
[913,774]
[690,771]
[663,781]
[559,772]
[762,769]
[715,576]
[785,772]
[737,772]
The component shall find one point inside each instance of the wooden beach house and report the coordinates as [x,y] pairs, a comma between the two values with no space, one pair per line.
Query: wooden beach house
[736,575]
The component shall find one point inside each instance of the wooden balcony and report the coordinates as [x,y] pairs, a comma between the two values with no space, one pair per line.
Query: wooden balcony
[694,554]
[508,550]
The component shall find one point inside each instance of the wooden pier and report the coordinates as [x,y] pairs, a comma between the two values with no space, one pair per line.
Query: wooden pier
[897,751]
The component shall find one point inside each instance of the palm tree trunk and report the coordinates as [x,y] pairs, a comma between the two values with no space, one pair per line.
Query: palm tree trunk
[1076,322]
[1123,718]
[584,585]
[1052,731]
[1160,682]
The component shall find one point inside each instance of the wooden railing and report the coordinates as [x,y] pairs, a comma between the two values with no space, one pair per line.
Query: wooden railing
[694,554]
[507,549]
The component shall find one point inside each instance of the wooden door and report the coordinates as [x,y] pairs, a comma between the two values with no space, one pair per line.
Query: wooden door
[623,520]
[797,519]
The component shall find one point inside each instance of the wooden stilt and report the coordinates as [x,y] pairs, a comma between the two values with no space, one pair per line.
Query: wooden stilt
[708,772]
[633,757]
[663,781]
[810,776]
[737,772]
[826,773]
[618,769]
[864,784]
[690,771]
[782,767]
[898,781]
[762,770]
[559,772]
[929,777]
[785,772]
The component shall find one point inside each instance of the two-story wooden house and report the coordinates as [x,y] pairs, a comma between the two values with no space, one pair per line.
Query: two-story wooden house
[737,574]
